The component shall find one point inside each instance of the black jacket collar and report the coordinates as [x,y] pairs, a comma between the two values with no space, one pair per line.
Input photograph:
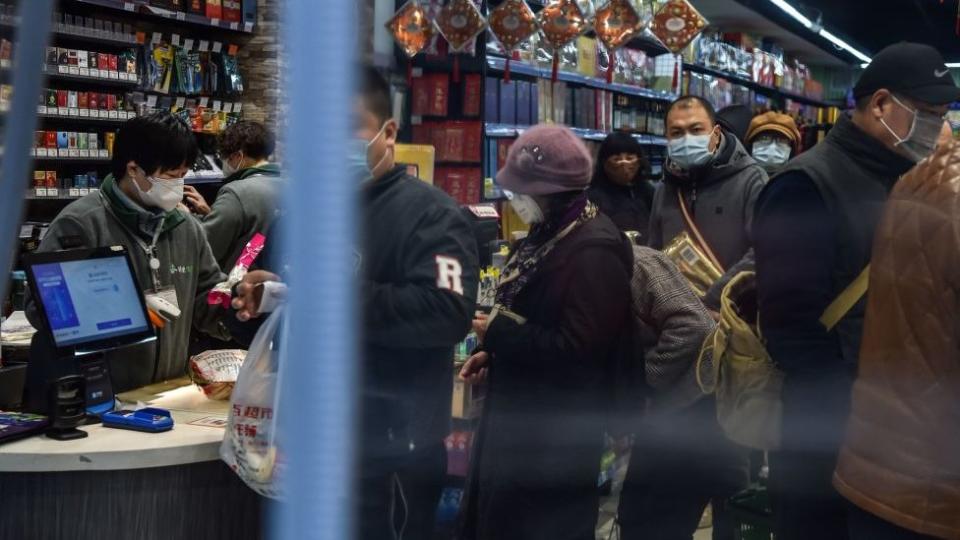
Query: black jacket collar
[379,186]
[869,153]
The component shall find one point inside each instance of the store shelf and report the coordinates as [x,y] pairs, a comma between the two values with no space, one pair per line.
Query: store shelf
[82,119]
[97,159]
[78,34]
[56,74]
[510,131]
[141,8]
[763,89]
[498,64]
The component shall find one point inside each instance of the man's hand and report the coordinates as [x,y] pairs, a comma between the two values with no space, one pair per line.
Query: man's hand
[475,370]
[198,205]
[250,294]
[480,323]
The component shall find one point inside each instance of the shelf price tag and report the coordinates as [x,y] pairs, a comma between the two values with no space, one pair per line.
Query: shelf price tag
[181,101]
[248,27]
[104,153]
[41,152]
[217,46]
[157,36]
[74,192]
[40,192]
[204,101]
[74,152]
[234,26]
[84,152]
[237,106]
[216,105]
[74,70]
[63,69]
[188,44]
[83,192]
[53,192]
[128,6]
[62,111]
[181,16]
[175,39]
[84,113]
[73,111]
[84,72]
[41,109]
[214,22]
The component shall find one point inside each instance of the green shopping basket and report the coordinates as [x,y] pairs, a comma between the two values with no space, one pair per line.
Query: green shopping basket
[752,515]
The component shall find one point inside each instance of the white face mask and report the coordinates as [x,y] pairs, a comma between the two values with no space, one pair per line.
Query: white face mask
[690,151]
[921,141]
[525,207]
[771,152]
[228,169]
[164,193]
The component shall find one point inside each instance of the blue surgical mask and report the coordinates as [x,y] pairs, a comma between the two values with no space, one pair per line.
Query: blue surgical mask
[771,153]
[357,157]
[690,151]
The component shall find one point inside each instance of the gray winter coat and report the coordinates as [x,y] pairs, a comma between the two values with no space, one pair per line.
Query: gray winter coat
[721,201]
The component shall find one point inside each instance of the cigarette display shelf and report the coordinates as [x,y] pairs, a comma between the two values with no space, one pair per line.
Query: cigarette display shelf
[55,73]
[140,8]
[81,119]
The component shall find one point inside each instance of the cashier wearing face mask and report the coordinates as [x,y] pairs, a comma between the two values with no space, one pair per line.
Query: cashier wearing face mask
[773,138]
[137,207]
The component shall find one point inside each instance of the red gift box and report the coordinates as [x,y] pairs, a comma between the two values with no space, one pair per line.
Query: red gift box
[420,96]
[453,136]
[439,91]
[472,141]
[472,95]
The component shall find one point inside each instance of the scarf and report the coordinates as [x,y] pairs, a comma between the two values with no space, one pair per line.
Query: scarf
[531,252]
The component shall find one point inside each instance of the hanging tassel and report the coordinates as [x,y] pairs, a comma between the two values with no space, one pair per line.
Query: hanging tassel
[410,72]
[611,65]
[506,71]
[456,68]
[556,67]
[676,76]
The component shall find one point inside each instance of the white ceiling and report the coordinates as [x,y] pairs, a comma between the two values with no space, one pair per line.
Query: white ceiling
[731,16]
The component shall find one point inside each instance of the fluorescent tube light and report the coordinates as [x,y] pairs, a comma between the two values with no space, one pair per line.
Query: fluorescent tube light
[844,45]
[792,11]
[799,17]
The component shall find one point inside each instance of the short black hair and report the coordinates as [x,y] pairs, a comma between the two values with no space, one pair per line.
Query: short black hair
[252,138]
[375,91]
[158,141]
[688,100]
[617,143]
[863,102]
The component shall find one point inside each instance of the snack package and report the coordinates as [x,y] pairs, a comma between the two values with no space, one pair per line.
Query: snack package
[221,293]
[215,372]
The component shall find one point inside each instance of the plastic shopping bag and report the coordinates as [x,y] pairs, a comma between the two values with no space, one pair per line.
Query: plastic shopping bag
[250,443]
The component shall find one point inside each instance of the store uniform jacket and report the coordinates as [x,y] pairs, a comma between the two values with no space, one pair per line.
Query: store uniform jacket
[110,218]
[628,206]
[901,458]
[247,204]
[534,474]
[720,199]
[419,277]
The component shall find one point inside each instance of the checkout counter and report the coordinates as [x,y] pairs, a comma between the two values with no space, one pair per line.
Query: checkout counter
[118,483]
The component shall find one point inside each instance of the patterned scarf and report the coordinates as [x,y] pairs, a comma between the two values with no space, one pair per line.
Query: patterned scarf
[543,237]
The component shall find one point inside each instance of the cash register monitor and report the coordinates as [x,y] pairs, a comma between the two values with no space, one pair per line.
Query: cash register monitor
[90,304]
[89,299]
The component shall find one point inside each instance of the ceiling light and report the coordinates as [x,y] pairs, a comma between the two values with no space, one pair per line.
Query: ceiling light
[817,28]
[792,11]
[844,45]
[953,64]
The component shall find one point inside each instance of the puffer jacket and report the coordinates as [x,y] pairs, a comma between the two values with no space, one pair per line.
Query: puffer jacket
[901,457]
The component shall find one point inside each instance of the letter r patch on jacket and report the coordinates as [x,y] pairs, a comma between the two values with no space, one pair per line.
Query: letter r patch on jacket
[449,274]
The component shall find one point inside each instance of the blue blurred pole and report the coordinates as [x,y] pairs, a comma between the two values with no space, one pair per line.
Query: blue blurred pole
[319,357]
[16,163]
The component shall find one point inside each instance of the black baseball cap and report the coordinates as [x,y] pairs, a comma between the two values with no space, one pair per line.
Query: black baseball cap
[914,70]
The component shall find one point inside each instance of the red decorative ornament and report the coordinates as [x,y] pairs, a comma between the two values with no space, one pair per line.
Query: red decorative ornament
[562,21]
[616,24]
[411,28]
[677,23]
[512,23]
[460,22]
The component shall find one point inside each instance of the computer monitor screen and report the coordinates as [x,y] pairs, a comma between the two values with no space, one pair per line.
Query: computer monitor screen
[95,299]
